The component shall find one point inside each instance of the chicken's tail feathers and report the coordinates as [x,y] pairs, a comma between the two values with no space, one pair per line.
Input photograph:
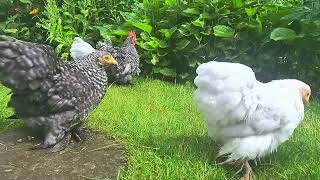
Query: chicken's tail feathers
[224,76]
[105,45]
[25,65]
[7,38]
[221,89]
[80,48]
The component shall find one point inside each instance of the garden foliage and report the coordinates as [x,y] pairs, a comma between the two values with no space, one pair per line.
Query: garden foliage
[277,38]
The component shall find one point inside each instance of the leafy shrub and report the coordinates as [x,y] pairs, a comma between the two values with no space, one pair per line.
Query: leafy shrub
[89,19]
[19,19]
[278,39]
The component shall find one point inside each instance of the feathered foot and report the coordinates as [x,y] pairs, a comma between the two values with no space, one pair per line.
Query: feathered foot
[59,146]
[62,144]
[76,134]
[243,165]
[248,171]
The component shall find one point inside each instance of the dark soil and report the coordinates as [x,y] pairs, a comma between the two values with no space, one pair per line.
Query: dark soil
[97,157]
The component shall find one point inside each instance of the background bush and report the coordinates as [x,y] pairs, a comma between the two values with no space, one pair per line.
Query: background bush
[18,18]
[277,38]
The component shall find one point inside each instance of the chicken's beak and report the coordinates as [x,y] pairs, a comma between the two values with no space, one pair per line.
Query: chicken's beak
[305,101]
[306,96]
[107,59]
[112,61]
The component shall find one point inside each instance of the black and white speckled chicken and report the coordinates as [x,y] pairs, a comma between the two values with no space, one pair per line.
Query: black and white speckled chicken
[126,56]
[50,95]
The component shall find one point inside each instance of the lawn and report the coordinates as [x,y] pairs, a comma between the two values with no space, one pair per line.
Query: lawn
[166,138]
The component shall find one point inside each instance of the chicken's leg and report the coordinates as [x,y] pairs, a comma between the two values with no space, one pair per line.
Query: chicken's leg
[55,143]
[55,140]
[243,165]
[77,134]
[248,175]
[62,144]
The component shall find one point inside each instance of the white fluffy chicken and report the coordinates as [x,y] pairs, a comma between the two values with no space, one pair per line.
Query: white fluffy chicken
[249,118]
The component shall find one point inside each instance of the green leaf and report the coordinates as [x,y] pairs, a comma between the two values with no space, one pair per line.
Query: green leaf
[79,17]
[145,36]
[184,75]
[183,44]
[155,59]
[170,2]
[198,37]
[249,11]
[191,11]
[283,34]
[168,72]
[205,16]
[154,44]
[163,44]
[163,53]
[26,1]
[143,26]
[195,49]
[185,29]
[294,16]
[223,31]
[168,32]
[144,46]
[119,32]
[130,16]
[193,62]
[259,24]
[85,12]
[206,31]
[59,48]
[198,23]
[13,30]
[105,31]
[237,3]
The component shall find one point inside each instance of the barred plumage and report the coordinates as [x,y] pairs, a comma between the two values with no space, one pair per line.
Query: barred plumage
[51,95]
[126,56]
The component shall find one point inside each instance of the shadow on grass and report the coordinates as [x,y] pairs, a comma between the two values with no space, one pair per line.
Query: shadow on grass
[98,157]
[199,150]
[292,157]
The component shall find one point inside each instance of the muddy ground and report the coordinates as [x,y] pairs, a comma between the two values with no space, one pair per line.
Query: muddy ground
[97,157]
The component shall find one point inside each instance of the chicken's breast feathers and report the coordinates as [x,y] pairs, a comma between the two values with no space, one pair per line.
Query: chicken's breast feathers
[249,118]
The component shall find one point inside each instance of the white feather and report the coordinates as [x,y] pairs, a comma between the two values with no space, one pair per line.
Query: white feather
[80,48]
[249,118]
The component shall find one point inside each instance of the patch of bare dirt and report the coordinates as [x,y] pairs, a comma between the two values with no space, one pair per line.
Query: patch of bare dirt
[97,157]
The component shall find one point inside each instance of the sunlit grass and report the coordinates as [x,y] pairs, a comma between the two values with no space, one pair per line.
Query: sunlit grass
[166,139]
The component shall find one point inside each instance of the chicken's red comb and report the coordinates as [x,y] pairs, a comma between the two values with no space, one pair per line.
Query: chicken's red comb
[131,34]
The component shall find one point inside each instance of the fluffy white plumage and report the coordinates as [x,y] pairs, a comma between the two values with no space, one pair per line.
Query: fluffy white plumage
[80,48]
[249,118]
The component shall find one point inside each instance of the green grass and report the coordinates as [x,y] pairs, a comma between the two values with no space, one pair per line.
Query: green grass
[166,139]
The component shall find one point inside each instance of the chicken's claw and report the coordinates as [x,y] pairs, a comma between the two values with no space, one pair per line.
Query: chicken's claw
[248,172]
[76,135]
[39,146]
[61,145]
